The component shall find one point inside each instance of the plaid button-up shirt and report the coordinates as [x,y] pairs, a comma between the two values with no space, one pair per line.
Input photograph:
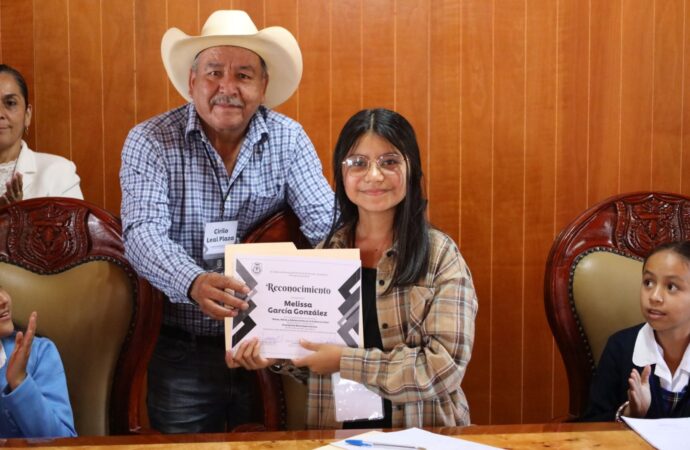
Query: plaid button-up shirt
[174,182]
[427,331]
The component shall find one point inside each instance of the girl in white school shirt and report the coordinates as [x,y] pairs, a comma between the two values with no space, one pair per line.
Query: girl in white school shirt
[644,370]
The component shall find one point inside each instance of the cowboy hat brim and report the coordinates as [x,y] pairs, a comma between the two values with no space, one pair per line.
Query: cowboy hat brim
[275,45]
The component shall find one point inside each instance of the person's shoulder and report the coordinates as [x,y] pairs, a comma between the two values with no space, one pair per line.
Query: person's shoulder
[441,243]
[626,334]
[275,120]
[51,161]
[172,121]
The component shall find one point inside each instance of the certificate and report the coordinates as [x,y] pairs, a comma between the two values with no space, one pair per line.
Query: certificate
[299,294]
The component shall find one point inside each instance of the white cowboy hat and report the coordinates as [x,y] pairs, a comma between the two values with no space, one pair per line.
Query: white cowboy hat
[275,45]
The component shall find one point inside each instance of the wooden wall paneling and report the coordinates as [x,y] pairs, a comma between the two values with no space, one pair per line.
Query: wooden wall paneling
[685,135]
[284,13]
[86,93]
[412,82]
[668,93]
[181,14]
[637,71]
[573,110]
[53,112]
[540,147]
[151,80]
[604,100]
[477,193]
[314,98]
[508,301]
[572,132]
[346,65]
[444,152]
[119,91]
[17,46]
[378,59]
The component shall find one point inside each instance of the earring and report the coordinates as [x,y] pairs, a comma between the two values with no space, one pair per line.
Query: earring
[26,131]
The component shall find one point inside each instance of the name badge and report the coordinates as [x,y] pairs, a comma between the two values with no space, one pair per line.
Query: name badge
[216,236]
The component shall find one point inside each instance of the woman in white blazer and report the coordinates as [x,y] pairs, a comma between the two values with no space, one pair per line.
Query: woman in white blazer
[24,173]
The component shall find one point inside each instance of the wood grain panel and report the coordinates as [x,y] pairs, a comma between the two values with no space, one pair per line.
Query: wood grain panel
[284,13]
[508,229]
[685,135]
[412,70]
[668,72]
[572,144]
[314,98]
[477,192]
[572,110]
[181,14]
[119,91]
[52,114]
[540,152]
[86,93]
[444,152]
[604,100]
[637,74]
[378,35]
[346,65]
[17,46]
[151,79]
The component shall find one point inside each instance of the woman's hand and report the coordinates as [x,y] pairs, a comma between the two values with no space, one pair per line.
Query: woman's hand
[16,367]
[639,393]
[247,356]
[14,192]
[325,359]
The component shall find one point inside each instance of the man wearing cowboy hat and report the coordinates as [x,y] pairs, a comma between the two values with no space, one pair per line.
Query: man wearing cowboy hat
[200,176]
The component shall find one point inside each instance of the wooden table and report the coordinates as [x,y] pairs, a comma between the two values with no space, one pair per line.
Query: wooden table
[531,436]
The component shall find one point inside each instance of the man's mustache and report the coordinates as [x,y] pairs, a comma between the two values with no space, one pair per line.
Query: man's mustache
[226,100]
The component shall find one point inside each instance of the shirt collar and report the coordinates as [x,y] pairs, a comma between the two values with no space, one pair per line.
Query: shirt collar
[3,355]
[648,352]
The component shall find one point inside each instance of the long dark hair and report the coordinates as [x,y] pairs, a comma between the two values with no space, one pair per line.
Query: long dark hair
[681,248]
[19,78]
[410,228]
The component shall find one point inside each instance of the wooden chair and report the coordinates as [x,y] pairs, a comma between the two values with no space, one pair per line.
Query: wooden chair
[64,258]
[594,272]
[280,391]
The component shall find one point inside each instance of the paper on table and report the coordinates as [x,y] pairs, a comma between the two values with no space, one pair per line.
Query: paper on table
[662,433]
[410,436]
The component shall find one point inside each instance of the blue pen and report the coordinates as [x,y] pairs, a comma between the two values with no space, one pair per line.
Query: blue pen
[362,443]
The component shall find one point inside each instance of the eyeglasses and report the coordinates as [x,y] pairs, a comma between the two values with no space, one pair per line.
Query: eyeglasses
[388,164]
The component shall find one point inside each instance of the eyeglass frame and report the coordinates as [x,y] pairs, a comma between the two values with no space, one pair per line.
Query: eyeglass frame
[384,171]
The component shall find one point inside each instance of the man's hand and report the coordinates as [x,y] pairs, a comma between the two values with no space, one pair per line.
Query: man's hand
[247,356]
[639,393]
[325,359]
[16,367]
[14,192]
[209,290]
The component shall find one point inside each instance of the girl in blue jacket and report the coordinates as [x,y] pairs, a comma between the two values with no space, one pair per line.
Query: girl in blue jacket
[33,390]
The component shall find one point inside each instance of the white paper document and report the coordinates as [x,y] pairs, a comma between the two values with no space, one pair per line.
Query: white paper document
[664,434]
[410,438]
[295,296]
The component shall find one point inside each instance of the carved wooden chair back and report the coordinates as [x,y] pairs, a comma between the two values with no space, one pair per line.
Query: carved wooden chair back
[594,272]
[64,258]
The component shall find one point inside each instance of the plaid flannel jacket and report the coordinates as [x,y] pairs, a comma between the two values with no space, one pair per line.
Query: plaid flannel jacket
[427,332]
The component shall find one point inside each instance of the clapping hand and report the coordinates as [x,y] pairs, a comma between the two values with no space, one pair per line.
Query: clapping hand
[639,393]
[14,192]
[16,367]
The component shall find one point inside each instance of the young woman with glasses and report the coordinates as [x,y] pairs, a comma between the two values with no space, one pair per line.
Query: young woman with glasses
[418,300]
